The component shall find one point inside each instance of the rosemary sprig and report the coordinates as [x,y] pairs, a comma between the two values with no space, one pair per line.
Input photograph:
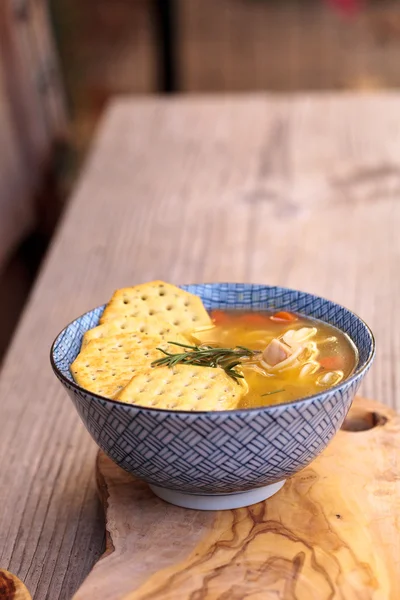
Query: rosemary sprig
[206,356]
[273,392]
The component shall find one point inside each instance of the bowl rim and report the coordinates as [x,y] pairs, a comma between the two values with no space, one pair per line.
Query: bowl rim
[311,398]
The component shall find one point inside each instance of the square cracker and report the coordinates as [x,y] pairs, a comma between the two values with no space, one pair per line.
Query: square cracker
[184,310]
[106,365]
[184,387]
[146,325]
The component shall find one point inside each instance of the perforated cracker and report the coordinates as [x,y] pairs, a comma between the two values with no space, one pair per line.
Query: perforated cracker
[147,325]
[106,365]
[184,387]
[185,311]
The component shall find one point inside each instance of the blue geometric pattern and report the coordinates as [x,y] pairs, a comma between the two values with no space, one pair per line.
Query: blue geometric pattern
[219,452]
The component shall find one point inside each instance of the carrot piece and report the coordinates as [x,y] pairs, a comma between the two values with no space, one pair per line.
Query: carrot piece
[332,363]
[219,317]
[283,315]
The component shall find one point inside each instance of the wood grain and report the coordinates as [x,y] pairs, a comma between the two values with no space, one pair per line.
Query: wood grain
[235,45]
[17,211]
[32,115]
[331,532]
[299,191]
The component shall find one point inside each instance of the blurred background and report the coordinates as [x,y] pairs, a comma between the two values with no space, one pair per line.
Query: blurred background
[62,60]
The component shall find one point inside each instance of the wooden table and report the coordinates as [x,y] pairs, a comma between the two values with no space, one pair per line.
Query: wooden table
[300,191]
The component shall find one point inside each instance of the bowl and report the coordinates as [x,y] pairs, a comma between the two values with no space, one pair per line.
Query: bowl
[224,459]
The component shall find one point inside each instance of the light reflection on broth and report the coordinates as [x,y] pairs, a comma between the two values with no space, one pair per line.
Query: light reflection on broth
[301,356]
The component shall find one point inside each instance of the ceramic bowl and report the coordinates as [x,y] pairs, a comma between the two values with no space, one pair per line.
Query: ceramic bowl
[227,459]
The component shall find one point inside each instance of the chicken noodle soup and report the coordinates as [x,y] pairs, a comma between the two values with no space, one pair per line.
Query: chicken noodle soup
[298,356]
[156,346]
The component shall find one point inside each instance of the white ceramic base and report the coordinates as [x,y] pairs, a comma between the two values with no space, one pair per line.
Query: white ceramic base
[217,501]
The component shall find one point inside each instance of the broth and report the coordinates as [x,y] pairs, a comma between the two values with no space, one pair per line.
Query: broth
[315,356]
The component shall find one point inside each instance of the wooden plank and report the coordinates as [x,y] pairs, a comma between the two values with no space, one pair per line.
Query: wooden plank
[31,79]
[106,48]
[301,192]
[16,209]
[47,70]
[235,45]
[318,538]
[20,67]
[31,115]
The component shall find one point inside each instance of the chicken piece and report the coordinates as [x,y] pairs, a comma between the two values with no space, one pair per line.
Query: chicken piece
[276,352]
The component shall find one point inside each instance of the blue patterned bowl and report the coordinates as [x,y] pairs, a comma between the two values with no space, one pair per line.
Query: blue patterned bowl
[224,459]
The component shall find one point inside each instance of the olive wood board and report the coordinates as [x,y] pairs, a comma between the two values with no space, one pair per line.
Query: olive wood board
[11,588]
[332,532]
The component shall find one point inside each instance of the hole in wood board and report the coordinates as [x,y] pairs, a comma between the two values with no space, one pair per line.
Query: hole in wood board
[361,420]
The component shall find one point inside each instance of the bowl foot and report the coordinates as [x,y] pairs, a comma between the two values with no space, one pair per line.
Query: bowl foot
[217,501]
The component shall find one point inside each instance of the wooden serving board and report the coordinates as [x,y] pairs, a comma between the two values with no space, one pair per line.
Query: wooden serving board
[11,588]
[332,532]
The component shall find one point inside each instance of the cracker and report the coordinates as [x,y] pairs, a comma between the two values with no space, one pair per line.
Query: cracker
[106,365]
[183,387]
[184,310]
[147,325]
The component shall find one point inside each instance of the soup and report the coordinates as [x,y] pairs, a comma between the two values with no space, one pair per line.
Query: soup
[157,346]
[297,356]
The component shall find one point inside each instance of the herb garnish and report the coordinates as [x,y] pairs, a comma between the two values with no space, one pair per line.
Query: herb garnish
[207,356]
[273,392]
